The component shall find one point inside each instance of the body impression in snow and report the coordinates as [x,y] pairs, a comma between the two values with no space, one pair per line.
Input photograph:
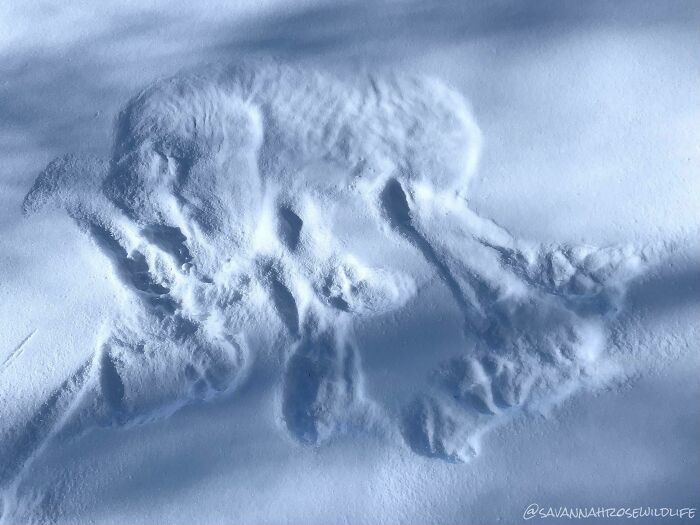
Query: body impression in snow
[257,210]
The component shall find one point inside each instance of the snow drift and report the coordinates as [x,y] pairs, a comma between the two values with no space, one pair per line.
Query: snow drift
[258,215]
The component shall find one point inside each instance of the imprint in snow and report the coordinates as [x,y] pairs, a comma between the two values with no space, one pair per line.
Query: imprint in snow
[228,212]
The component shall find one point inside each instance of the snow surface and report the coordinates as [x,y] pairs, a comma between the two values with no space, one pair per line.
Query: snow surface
[297,290]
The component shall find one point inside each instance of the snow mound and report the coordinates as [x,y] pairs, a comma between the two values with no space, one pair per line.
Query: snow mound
[251,215]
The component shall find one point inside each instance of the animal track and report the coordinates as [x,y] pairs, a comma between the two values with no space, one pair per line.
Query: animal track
[533,347]
[170,239]
[584,276]
[320,386]
[289,227]
[132,268]
[111,383]
[395,205]
[282,298]
[187,212]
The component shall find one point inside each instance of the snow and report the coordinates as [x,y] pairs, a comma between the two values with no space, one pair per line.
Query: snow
[352,282]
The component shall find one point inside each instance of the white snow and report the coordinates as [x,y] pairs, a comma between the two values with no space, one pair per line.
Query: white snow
[297,290]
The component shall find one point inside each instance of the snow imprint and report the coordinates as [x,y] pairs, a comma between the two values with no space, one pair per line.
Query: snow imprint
[213,213]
